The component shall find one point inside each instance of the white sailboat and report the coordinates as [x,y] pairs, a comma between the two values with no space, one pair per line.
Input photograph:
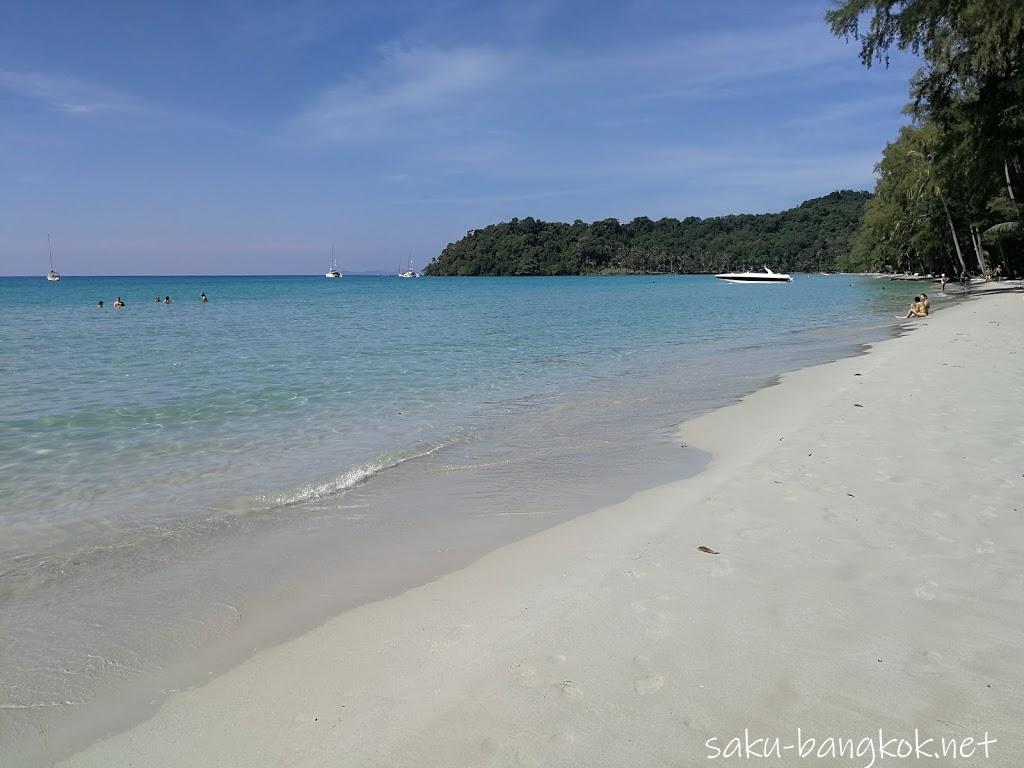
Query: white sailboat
[410,271]
[333,271]
[53,275]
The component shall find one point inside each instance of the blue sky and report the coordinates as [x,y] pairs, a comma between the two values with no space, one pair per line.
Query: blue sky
[246,137]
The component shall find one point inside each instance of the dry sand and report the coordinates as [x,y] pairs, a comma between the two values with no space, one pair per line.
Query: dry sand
[869,518]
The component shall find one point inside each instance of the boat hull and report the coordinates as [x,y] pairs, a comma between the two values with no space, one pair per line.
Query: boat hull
[755,279]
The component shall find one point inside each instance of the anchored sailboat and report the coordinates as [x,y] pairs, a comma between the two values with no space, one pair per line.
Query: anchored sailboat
[53,275]
[333,271]
[410,271]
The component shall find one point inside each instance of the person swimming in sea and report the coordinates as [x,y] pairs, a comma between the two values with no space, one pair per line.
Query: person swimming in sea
[99,304]
[202,297]
[118,303]
[167,299]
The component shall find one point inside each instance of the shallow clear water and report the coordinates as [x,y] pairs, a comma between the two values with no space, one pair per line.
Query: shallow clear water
[170,471]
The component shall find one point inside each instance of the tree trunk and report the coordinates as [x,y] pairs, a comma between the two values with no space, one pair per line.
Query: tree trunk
[1009,186]
[952,230]
[976,240]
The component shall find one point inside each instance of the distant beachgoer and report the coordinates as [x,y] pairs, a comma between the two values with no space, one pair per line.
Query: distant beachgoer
[118,303]
[167,299]
[202,297]
[159,300]
[100,303]
[943,280]
[999,272]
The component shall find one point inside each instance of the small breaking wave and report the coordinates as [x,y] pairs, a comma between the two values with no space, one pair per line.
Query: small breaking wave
[348,479]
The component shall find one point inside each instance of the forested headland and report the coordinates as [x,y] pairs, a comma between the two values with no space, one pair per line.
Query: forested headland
[814,236]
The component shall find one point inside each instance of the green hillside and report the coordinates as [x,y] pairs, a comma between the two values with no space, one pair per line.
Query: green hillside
[810,237]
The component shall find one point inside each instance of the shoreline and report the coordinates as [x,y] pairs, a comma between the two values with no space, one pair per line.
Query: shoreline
[513,657]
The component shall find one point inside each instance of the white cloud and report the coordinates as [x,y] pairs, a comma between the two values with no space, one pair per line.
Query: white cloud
[509,198]
[409,84]
[64,93]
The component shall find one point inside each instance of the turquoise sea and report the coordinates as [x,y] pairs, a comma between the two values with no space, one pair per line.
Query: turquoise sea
[175,477]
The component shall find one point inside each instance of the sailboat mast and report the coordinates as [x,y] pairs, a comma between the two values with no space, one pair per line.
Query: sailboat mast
[49,245]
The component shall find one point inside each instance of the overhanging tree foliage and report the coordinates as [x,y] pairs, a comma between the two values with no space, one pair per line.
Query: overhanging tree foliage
[968,111]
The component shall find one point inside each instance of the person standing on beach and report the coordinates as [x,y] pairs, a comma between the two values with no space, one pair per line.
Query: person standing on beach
[942,281]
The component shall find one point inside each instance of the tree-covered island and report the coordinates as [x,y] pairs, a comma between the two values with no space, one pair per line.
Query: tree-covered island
[815,236]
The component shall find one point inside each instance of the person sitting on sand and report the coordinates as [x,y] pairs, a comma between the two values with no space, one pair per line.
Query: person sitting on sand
[118,303]
[925,304]
[916,310]
[167,299]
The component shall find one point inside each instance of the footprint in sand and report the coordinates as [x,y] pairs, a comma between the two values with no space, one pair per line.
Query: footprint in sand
[926,590]
[524,674]
[660,625]
[648,685]
[722,567]
[987,547]
[449,639]
[570,690]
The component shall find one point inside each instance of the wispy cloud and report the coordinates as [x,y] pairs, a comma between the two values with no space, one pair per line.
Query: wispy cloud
[407,85]
[64,93]
[509,198]
[718,64]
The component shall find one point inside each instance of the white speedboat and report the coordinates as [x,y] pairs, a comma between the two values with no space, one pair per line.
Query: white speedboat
[766,276]
[333,271]
[53,275]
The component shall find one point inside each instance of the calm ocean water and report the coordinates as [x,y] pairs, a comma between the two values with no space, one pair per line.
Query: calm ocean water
[165,469]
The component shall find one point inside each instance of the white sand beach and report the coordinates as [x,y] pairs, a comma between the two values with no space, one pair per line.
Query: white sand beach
[868,515]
